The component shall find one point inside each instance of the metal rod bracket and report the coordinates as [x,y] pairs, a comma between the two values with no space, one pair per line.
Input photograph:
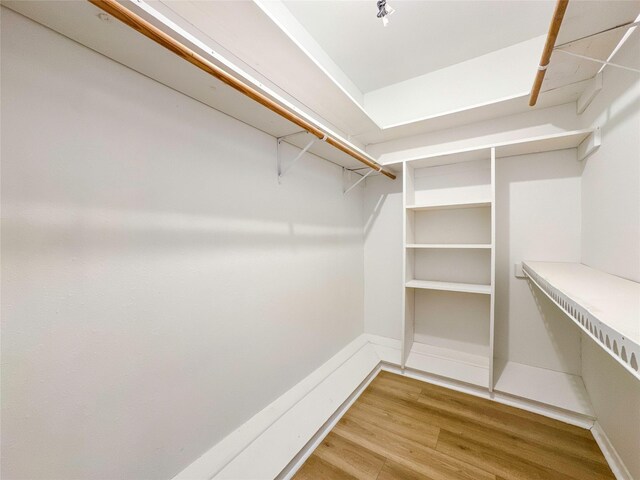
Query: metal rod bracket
[281,167]
[346,177]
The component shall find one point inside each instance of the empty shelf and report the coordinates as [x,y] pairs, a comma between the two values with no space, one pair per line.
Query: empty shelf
[459,366]
[557,389]
[545,143]
[439,206]
[449,245]
[450,286]
[605,307]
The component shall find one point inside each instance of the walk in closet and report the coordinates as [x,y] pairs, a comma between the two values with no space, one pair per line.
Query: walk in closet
[280,239]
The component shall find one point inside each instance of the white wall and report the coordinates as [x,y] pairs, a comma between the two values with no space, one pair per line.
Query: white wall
[611,239]
[158,286]
[611,180]
[615,395]
[383,282]
[537,218]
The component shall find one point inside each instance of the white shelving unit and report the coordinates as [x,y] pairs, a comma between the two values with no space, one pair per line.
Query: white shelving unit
[605,307]
[449,271]
[448,265]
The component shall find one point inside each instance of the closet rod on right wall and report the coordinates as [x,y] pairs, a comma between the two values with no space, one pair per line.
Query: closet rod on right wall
[552,35]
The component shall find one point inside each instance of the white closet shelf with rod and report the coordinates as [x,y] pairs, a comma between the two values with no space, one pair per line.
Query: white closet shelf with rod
[605,307]
[255,92]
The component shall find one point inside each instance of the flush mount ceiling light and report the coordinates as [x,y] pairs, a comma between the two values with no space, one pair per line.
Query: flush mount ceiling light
[384,11]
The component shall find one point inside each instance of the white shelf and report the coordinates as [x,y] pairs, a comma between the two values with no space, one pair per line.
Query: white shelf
[449,286]
[605,307]
[460,366]
[544,143]
[557,389]
[128,47]
[440,206]
[449,245]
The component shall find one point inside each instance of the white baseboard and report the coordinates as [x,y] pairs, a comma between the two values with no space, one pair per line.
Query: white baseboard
[610,454]
[388,349]
[265,445]
[276,441]
[306,452]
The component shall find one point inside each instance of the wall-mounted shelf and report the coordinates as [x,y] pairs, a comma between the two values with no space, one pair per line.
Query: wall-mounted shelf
[450,286]
[449,245]
[605,307]
[585,141]
[442,206]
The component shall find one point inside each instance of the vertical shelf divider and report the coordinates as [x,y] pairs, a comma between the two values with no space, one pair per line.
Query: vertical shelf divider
[408,236]
[493,268]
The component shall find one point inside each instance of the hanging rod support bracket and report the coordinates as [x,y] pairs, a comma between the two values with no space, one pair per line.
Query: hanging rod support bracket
[596,60]
[282,169]
[346,176]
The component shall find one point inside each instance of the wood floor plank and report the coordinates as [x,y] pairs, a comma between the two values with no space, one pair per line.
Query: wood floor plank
[408,453]
[403,425]
[390,388]
[350,457]
[315,468]
[393,471]
[518,427]
[482,404]
[497,461]
[395,385]
[444,413]
[576,467]
[401,428]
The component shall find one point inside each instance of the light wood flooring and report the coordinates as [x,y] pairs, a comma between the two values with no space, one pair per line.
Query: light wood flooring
[404,429]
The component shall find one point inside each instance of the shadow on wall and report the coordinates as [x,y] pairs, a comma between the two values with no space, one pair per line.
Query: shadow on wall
[375,212]
[111,229]
[555,321]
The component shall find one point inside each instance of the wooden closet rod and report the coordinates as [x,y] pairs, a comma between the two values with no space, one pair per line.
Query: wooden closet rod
[552,35]
[112,7]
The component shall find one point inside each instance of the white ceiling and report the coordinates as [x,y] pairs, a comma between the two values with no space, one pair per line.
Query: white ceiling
[422,36]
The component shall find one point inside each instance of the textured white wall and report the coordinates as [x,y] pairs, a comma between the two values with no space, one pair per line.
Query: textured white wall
[615,395]
[383,280]
[158,286]
[611,179]
[537,218]
[611,239]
